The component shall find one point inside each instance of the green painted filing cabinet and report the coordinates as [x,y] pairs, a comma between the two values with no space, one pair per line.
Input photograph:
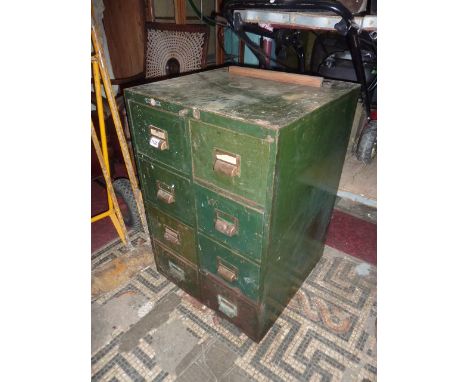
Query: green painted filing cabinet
[239,177]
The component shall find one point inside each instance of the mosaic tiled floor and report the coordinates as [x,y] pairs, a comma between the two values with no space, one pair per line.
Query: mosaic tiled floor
[150,330]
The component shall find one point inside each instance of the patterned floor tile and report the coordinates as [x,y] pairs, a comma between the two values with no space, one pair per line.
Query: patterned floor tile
[326,333]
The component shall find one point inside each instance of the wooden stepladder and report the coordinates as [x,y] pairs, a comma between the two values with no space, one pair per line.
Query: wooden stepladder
[101,76]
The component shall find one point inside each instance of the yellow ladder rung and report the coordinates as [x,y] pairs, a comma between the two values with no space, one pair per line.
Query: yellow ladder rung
[100,216]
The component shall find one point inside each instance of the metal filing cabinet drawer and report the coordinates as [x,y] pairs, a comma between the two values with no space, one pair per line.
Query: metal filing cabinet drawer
[170,192]
[231,304]
[161,136]
[177,269]
[235,270]
[230,160]
[246,186]
[172,233]
[234,224]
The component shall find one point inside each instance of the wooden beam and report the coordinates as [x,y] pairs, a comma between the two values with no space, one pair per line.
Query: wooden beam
[299,79]
[219,31]
[149,13]
[241,51]
[180,11]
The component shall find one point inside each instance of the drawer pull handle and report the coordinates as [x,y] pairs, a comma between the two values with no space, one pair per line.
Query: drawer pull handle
[158,138]
[171,236]
[165,196]
[177,272]
[228,308]
[227,164]
[226,273]
[226,228]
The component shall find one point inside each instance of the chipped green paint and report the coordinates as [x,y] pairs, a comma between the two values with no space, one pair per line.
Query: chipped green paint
[154,177]
[146,119]
[307,176]
[283,146]
[252,154]
[172,233]
[247,273]
[177,269]
[249,222]
[269,104]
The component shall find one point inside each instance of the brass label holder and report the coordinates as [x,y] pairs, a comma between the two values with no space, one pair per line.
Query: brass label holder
[176,271]
[227,307]
[171,235]
[165,193]
[158,138]
[227,271]
[226,163]
[226,224]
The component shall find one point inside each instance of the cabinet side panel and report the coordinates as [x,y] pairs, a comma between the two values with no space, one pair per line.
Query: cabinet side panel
[310,158]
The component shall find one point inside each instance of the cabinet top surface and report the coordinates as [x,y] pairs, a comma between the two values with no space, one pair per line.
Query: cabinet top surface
[269,104]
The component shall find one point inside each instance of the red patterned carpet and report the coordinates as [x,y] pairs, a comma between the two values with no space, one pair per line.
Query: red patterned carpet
[103,231]
[353,236]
